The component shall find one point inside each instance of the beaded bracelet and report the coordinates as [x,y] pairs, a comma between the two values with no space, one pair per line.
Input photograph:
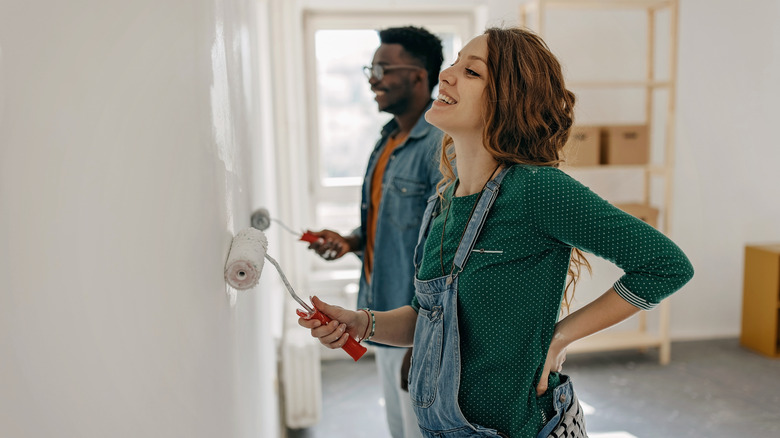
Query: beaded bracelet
[372,324]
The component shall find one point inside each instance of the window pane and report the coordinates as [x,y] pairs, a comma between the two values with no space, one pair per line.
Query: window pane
[349,122]
[342,217]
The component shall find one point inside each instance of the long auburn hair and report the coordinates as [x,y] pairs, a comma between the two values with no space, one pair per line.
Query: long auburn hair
[528,114]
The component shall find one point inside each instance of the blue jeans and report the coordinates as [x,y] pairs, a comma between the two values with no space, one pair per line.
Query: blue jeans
[398,405]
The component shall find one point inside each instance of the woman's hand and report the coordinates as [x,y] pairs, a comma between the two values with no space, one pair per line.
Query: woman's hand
[344,323]
[605,311]
[556,356]
[330,245]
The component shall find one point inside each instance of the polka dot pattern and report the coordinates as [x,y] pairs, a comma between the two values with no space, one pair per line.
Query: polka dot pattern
[510,293]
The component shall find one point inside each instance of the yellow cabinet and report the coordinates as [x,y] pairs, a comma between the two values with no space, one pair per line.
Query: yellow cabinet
[761,300]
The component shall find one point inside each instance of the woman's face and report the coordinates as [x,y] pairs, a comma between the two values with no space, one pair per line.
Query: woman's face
[458,109]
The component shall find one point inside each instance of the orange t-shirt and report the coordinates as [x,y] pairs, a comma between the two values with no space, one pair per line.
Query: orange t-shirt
[376,198]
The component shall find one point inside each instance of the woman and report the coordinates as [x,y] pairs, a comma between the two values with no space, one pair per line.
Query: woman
[492,264]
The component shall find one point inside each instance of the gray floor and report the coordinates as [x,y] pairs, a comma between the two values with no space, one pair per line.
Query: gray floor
[712,389]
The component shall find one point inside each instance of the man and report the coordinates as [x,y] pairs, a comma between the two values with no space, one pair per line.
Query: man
[402,174]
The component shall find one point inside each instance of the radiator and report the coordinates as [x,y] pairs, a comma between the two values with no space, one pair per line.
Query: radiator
[301,379]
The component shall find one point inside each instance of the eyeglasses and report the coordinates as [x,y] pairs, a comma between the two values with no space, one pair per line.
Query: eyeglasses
[377,71]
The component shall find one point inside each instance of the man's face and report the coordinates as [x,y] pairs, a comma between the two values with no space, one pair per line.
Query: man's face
[395,90]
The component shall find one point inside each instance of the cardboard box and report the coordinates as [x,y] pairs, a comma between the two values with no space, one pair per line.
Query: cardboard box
[761,300]
[642,211]
[625,144]
[583,147]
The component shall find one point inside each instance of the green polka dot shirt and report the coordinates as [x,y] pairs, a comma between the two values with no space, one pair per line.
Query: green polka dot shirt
[509,295]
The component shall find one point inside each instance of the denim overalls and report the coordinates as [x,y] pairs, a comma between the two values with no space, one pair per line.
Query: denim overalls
[434,377]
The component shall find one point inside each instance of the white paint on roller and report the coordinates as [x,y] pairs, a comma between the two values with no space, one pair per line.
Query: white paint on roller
[245,263]
[246,258]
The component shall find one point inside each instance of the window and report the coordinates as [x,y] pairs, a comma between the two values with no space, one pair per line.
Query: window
[347,122]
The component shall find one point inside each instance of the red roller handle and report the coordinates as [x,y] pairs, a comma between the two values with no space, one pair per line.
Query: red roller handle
[352,347]
[308,237]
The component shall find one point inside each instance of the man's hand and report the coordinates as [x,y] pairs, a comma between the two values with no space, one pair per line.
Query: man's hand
[330,245]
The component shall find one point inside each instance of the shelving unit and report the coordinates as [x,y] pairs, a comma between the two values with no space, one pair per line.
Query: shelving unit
[534,15]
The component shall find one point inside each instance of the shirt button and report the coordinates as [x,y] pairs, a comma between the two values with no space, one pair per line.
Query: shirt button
[403,190]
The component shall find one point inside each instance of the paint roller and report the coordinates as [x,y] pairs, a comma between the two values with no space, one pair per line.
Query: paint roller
[261,220]
[245,263]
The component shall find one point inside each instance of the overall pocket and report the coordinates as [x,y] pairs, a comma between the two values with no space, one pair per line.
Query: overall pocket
[426,357]
[569,419]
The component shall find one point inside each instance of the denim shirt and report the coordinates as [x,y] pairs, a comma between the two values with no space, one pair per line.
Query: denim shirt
[410,179]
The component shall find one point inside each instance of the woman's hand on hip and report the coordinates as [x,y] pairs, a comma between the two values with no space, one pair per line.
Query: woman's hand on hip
[556,356]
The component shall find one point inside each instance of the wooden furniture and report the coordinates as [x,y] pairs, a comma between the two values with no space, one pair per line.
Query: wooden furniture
[761,300]
[534,15]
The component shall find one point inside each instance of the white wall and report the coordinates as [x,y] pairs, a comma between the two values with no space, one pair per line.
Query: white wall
[126,131]
[728,185]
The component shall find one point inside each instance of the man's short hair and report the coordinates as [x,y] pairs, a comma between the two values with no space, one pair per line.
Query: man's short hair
[420,44]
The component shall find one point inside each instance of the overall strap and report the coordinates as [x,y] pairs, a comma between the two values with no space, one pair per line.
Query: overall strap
[486,199]
[429,214]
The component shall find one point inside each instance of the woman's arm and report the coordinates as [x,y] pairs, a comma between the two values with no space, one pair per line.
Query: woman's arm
[394,327]
[654,266]
[571,214]
[604,312]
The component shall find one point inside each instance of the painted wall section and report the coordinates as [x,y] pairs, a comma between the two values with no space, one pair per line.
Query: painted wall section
[126,131]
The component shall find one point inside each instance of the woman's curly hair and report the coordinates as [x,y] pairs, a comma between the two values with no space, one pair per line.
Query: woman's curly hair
[528,113]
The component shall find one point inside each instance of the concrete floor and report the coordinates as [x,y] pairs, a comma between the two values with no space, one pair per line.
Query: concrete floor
[712,389]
